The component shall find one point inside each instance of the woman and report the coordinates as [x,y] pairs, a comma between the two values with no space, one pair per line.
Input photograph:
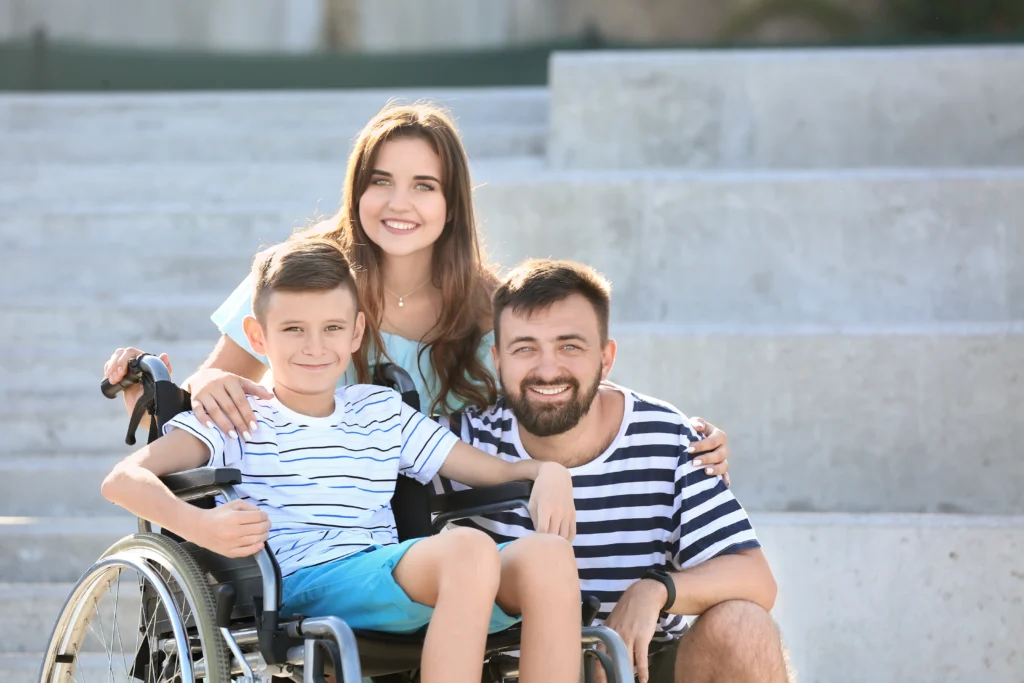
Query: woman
[407,224]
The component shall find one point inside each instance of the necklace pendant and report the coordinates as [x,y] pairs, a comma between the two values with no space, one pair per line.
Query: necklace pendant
[400,302]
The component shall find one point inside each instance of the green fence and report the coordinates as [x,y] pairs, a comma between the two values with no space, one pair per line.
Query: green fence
[33,65]
[41,65]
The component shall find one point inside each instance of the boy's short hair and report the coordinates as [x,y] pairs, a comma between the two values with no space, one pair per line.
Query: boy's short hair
[537,284]
[299,265]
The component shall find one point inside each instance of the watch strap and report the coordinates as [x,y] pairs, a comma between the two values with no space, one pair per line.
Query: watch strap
[661,576]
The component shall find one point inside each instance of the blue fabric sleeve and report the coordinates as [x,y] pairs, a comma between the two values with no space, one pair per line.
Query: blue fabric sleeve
[228,318]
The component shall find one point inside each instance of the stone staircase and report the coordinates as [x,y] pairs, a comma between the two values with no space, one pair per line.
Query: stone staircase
[822,251]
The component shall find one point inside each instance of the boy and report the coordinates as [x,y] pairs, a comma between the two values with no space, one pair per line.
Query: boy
[319,471]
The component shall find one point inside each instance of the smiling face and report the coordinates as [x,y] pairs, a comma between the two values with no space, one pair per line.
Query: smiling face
[551,363]
[403,209]
[308,337]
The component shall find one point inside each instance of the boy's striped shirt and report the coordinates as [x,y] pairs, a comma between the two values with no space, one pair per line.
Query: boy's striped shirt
[326,482]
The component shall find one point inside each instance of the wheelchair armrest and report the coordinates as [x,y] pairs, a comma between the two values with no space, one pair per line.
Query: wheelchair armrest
[472,502]
[191,481]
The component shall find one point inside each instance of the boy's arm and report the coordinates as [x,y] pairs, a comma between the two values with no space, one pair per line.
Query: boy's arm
[237,529]
[551,504]
[472,467]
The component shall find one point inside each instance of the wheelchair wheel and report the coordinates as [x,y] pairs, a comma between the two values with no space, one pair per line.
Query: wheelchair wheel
[144,613]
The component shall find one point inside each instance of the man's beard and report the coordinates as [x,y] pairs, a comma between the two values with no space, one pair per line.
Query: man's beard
[548,419]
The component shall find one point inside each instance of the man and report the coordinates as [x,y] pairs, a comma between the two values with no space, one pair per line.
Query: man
[657,538]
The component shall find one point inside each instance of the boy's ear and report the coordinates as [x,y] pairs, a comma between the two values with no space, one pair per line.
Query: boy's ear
[254,333]
[358,331]
[494,359]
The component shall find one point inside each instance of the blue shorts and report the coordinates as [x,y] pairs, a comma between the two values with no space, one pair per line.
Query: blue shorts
[361,590]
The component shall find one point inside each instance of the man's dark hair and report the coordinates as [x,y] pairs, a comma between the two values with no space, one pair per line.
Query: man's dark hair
[539,283]
[299,265]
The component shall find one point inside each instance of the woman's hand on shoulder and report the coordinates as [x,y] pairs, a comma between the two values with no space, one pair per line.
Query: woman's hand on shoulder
[712,452]
[220,398]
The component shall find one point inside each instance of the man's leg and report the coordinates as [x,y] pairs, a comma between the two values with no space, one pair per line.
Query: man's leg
[539,580]
[733,642]
[457,574]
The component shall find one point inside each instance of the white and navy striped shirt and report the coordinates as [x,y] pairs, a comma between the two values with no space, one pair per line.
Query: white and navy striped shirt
[640,504]
[326,482]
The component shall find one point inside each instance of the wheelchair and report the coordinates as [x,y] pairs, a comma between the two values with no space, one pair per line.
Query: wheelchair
[187,614]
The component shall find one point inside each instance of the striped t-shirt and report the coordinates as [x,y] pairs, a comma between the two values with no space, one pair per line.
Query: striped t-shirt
[326,482]
[639,504]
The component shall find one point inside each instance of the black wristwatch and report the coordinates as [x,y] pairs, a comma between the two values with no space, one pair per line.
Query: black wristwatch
[662,576]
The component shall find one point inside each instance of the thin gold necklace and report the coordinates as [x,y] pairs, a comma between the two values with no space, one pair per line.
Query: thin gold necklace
[401,299]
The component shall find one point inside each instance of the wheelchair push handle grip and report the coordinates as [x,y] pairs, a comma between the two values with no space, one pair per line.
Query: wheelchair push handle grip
[112,390]
[145,366]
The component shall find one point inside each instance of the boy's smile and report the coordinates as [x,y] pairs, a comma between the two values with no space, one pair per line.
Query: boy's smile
[308,338]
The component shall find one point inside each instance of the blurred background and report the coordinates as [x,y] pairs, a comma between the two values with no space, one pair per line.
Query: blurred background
[812,213]
[122,44]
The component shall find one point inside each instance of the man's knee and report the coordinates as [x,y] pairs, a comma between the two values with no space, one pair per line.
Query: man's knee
[735,627]
[735,640]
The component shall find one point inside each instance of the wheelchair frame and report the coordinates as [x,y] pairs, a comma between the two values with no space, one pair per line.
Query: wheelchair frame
[261,646]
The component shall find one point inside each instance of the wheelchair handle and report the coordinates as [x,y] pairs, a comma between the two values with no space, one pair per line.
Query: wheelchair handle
[145,366]
[395,377]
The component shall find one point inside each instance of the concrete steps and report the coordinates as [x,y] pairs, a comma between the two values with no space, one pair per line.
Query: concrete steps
[70,484]
[904,433]
[881,597]
[109,324]
[312,186]
[850,585]
[56,549]
[217,113]
[840,108]
[122,235]
[894,246]
[837,280]
[293,144]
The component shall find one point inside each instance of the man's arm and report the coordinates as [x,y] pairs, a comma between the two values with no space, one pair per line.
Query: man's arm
[744,575]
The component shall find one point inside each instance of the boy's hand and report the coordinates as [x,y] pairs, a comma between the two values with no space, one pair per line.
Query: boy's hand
[551,504]
[235,529]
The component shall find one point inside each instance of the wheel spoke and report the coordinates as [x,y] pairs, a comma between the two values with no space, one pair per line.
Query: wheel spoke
[172,614]
[117,628]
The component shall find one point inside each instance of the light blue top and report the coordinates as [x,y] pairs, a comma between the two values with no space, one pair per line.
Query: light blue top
[403,352]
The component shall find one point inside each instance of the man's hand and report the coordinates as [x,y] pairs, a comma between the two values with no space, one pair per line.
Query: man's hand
[635,619]
[235,529]
[712,452]
[551,504]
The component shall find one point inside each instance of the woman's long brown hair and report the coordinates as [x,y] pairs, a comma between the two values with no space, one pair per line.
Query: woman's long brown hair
[458,269]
